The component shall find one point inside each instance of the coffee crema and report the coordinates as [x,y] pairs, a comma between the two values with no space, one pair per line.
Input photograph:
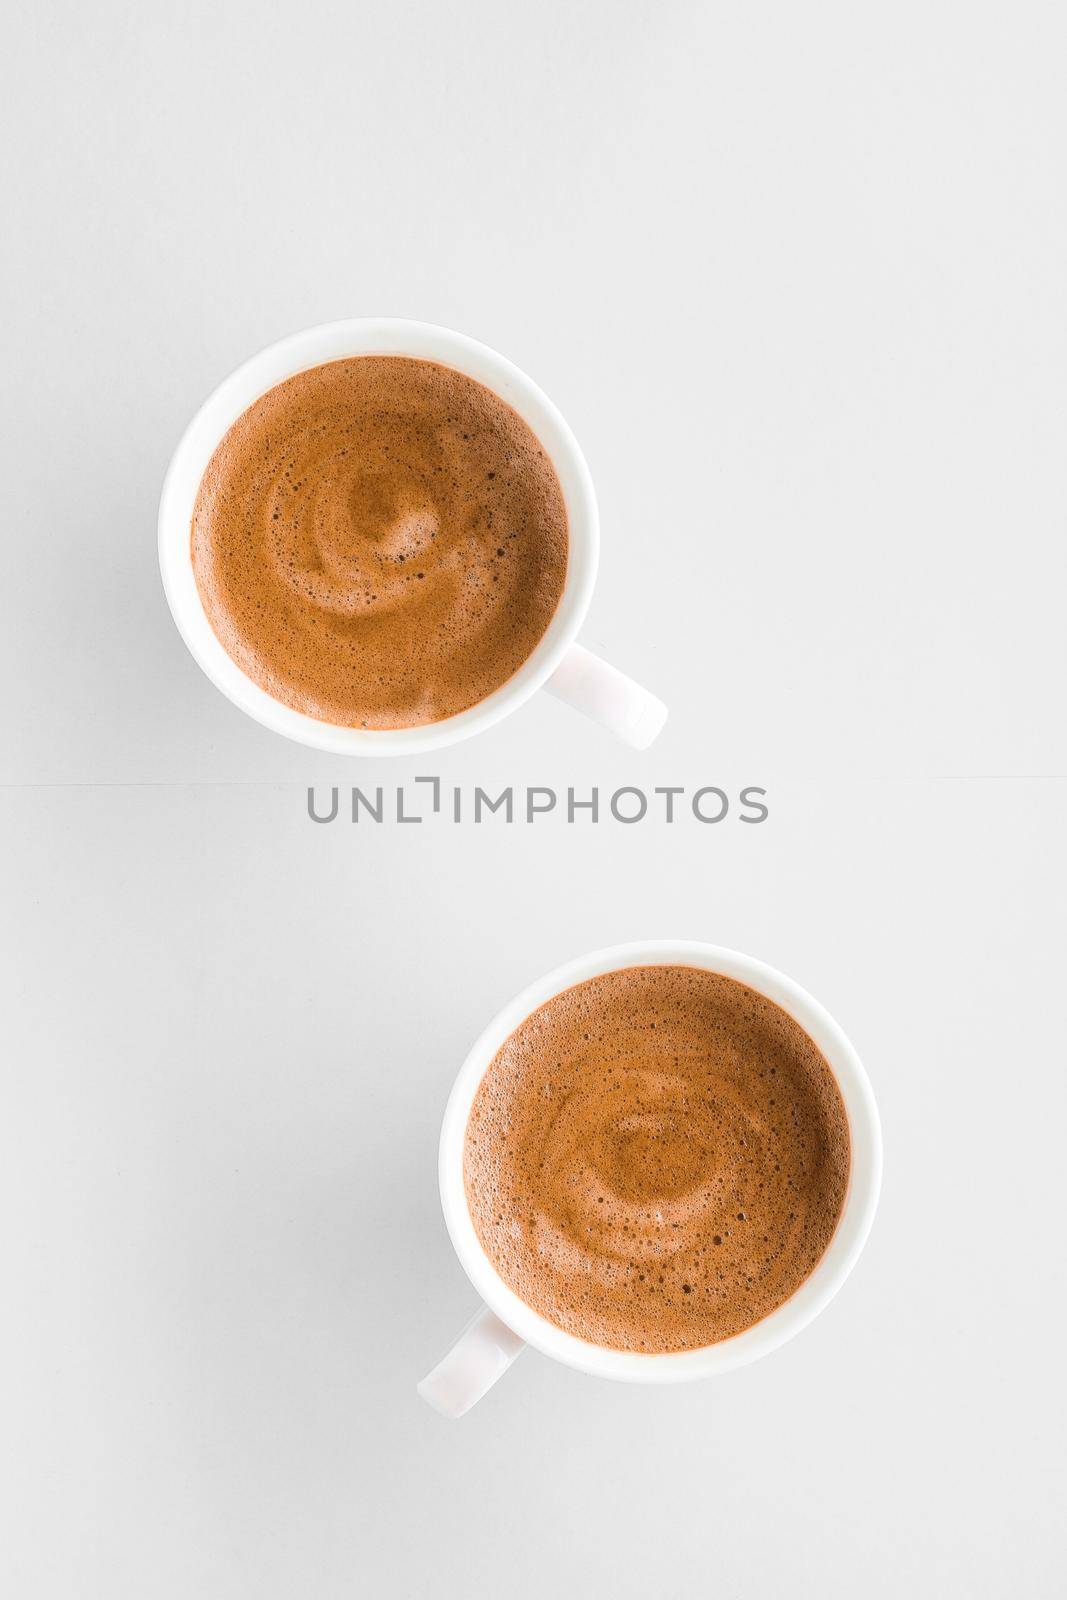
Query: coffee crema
[380,542]
[656,1159]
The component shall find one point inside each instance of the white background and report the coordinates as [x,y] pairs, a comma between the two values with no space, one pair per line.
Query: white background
[795,276]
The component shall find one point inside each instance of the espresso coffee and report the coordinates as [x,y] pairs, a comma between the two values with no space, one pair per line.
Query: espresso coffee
[380,542]
[656,1159]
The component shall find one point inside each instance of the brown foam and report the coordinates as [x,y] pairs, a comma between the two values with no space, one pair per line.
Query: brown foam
[656,1159]
[380,542]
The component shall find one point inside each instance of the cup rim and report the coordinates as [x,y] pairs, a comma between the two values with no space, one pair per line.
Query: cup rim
[334,341]
[829,1273]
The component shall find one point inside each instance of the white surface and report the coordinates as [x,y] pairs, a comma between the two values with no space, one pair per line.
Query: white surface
[225,1265]
[794,275]
[831,1272]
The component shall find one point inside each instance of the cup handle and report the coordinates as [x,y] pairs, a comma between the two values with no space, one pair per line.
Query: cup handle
[608,696]
[483,1353]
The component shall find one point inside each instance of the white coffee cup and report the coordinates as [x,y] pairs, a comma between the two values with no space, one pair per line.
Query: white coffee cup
[505,1324]
[558,663]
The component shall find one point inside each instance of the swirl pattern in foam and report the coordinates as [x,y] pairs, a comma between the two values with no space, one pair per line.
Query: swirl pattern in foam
[656,1159]
[380,542]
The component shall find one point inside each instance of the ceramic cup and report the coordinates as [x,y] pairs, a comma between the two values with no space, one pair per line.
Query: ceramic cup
[558,663]
[506,1324]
